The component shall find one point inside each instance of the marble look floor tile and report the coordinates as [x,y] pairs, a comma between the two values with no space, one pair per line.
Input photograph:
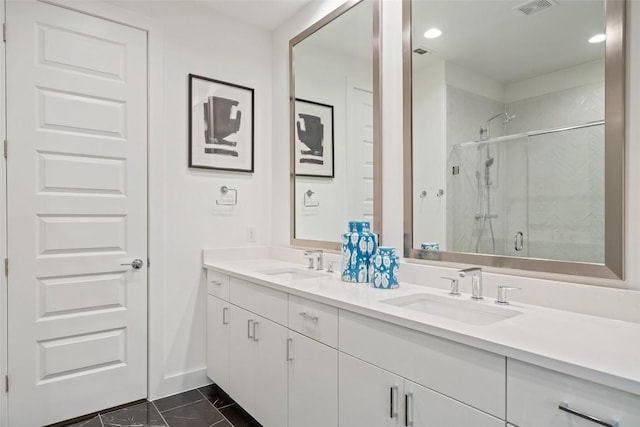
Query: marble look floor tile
[177,400]
[237,416]
[141,415]
[219,400]
[92,422]
[198,414]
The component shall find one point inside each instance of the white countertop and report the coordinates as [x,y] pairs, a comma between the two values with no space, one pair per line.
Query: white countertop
[601,350]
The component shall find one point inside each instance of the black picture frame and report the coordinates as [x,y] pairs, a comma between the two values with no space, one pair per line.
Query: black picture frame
[314,124]
[229,146]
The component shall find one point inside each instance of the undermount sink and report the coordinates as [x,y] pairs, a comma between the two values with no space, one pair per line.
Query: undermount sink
[292,273]
[471,312]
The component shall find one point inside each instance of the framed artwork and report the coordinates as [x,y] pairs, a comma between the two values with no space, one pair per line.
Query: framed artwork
[313,139]
[220,125]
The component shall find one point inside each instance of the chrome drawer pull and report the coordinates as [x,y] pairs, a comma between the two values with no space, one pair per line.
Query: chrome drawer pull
[225,320]
[255,332]
[408,412]
[306,316]
[393,397]
[216,282]
[249,322]
[289,343]
[564,406]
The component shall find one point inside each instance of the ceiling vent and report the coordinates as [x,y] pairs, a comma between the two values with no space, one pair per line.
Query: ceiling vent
[420,51]
[536,6]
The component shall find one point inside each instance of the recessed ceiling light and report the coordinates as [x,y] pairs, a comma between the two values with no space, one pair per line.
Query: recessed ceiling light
[598,38]
[432,33]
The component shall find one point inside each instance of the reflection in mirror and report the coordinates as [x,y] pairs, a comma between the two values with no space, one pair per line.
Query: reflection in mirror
[333,125]
[508,129]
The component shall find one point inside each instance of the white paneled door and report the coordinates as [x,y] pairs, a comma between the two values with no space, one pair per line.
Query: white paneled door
[77,198]
[360,147]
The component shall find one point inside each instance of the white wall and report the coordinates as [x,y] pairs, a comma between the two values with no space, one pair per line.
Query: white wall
[327,77]
[429,150]
[199,42]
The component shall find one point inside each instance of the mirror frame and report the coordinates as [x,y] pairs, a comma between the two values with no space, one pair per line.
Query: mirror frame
[615,206]
[377,125]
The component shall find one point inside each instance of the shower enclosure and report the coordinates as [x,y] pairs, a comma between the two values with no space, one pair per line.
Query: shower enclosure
[535,193]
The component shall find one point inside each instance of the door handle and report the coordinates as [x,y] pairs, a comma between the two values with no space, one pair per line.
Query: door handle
[225,310]
[136,263]
[408,410]
[518,241]
[289,344]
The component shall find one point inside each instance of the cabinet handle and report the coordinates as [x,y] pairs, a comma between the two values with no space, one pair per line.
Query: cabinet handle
[393,399]
[408,413]
[289,344]
[255,331]
[249,323]
[564,406]
[225,319]
[307,316]
[216,282]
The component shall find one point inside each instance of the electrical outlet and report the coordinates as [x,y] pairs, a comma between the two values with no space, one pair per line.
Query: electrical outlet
[251,234]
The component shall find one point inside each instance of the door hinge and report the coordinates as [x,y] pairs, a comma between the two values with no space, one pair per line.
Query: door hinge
[6,266]
[5,148]
[4,32]
[6,383]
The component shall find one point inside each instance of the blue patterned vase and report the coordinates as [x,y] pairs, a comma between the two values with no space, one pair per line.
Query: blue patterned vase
[384,268]
[358,245]
[430,246]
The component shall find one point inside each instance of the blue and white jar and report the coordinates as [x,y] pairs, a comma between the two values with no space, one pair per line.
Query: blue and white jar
[384,266]
[430,246]
[358,245]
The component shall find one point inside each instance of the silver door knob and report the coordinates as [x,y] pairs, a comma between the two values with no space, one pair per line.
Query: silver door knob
[136,263]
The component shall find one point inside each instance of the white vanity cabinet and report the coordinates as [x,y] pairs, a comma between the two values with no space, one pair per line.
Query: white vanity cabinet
[257,354]
[534,395]
[371,396]
[218,341]
[313,383]
[218,328]
[469,375]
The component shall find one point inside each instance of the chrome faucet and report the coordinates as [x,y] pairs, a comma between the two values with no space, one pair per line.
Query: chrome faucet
[319,255]
[476,280]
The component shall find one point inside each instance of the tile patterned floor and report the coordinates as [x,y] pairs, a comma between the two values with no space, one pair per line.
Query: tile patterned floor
[202,407]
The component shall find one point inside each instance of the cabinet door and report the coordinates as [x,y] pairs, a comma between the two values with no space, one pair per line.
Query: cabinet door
[535,395]
[313,383]
[242,367]
[218,341]
[424,407]
[270,381]
[368,396]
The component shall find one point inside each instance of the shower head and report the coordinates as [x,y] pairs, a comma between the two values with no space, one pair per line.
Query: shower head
[489,162]
[508,118]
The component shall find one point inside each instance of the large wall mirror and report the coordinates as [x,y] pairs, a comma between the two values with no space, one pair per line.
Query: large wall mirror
[334,125]
[514,134]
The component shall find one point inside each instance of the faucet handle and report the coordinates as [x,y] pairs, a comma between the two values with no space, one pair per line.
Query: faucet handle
[330,265]
[502,294]
[455,288]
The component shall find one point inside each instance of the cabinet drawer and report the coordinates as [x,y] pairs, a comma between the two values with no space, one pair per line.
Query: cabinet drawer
[313,319]
[218,284]
[472,376]
[534,394]
[260,300]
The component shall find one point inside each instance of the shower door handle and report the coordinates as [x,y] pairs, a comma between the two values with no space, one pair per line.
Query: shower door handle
[518,241]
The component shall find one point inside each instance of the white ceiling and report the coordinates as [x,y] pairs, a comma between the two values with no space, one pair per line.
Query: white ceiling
[265,14]
[493,39]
